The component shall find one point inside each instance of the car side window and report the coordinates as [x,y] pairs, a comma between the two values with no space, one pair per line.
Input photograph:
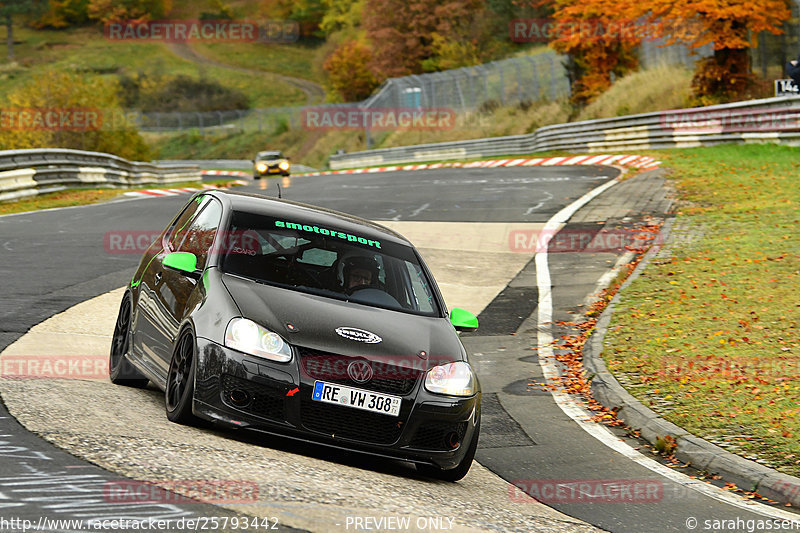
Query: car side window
[199,235]
[178,230]
[422,290]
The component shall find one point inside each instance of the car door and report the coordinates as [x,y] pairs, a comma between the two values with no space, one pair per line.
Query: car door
[163,292]
[147,334]
[175,288]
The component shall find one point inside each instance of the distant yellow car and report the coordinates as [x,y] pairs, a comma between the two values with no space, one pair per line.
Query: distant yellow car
[271,162]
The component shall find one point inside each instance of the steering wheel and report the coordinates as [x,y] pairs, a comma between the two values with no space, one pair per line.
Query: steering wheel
[357,288]
[302,276]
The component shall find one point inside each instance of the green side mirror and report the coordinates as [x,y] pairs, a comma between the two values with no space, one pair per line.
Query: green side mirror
[463,319]
[183,262]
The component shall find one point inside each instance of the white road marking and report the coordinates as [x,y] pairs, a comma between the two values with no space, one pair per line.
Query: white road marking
[581,416]
[420,209]
[540,204]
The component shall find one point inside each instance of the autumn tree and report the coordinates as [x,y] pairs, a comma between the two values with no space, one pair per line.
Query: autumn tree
[599,39]
[729,25]
[9,9]
[399,32]
[466,35]
[307,13]
[342,15]
[60,94]
[128,10]
[64,13]
[405,33]
[349,73]
[596,52]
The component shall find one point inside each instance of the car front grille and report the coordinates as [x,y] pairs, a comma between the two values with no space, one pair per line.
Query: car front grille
[388,378]
[350,423]
[263,400]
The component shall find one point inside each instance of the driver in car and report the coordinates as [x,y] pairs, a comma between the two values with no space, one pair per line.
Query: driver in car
[360,273]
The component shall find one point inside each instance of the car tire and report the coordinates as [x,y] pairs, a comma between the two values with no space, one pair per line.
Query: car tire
[120,370]
[179,392]
[457,473]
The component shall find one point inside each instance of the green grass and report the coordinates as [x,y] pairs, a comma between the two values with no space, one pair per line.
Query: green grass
[708,336]
[297,60]
[655,89]
[87,50]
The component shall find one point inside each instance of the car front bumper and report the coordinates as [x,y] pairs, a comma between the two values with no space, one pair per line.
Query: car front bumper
[272,170]
[244,391]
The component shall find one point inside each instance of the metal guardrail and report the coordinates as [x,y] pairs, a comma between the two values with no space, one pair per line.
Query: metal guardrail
[31,172]
[767,120]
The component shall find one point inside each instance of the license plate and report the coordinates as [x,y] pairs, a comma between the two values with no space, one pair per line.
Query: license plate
[360,399]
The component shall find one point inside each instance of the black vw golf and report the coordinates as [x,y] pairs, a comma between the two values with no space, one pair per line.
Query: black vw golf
[290,319]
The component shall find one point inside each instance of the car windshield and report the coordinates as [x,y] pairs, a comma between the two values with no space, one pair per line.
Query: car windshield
[327,261]
[270,155]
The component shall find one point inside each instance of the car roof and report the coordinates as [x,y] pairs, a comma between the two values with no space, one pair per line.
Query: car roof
[291,211]
[269,152]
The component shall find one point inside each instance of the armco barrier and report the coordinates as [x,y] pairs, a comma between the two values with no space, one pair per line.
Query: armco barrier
[766,120]
[31,172]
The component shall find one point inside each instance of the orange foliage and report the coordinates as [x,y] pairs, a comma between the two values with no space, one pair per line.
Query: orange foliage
[600,38]
[589,31]
[728,24]
[349,74]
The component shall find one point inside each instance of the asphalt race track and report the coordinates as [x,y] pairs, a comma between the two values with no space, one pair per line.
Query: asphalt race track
[53,260]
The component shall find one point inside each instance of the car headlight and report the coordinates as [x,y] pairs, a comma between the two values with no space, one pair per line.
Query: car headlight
[261,167]
[284,165]
[246,336]
[455,379]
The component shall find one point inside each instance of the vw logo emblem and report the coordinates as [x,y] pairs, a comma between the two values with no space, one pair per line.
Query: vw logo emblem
[359,371]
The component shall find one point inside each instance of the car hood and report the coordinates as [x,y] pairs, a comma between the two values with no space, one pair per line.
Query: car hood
[316,319]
